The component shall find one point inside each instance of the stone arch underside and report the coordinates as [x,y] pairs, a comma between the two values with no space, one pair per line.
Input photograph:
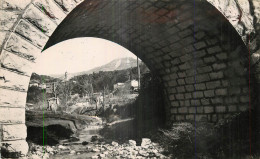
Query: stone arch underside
[197,53]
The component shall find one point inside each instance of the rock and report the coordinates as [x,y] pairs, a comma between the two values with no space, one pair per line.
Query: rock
[84,143]
[95,150]
[94,138]
[62,147]
[114,143]
[49,149]
[102,155]
[132,143]
[145,143]
[72,152]
[94,157]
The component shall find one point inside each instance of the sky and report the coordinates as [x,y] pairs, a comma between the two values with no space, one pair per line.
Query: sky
[79,54]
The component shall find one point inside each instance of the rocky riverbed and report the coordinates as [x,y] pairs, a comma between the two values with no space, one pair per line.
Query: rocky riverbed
[97,150]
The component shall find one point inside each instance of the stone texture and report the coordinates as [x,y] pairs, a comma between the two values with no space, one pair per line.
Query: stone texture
[14,4]
[21,47]
[51,10]
[12,115]
[3,35]
[30,33]
[14,132]
[39,20]
[11,98]
[16,64]
[11,80]
[7,19]
[67,6]
[19,145]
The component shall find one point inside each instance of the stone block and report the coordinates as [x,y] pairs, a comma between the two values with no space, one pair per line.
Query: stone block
[220,109]
[243,108]
[213,84]
[219,66]
[21,47]
[190,80]
[202,78]
[216,75]
[39,20]
[222,56]
[30,33]
[51,10]
[244,99]
[209,93]
[182,110]
[12,98]
[188,96]
[179,96]
[204,69]
[200,86]
[190,117]
[230,100]
[3,35]
[16,64]
[180,89]
[12,115]
[210,59]
[181,74]
[175,103]
[173,76]
[195,102]
[181,81]
[214,49]
[199,109]
[234,90]
[11,80]
[205,101]
[208,109]
[171,97]
[192,110]
[67,6]
[221,92]
[200,117]
[7,19]
[200,45]
[14,132]
[173,110]
[180,117]
[18,146]
[172,83]
[200,53]
[199,35]
[14,4]
[197,94]
[186,57]
[232,108]
[217,100]
[185,66]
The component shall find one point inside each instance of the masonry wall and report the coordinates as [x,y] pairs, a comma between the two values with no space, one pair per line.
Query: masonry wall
[204,68]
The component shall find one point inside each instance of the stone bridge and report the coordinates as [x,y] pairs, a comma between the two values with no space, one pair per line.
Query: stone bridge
[205,52]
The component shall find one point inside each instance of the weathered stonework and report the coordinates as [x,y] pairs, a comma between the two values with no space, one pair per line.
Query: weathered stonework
[10,80]
[204,74]
[18,146]
[16,64]
[39,20]
[12,115]
[51,10]
[32,34]
[14,4]
[22,48]
[14,132]
[12,98]
[7,19]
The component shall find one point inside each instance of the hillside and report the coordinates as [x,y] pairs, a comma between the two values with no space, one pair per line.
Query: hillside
[117,64]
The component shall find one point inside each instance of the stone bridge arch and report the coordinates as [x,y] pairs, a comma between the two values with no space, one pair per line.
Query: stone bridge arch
[201,59]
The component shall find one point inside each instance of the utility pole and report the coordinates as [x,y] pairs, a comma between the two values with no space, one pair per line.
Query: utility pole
[138,70]
[66,90]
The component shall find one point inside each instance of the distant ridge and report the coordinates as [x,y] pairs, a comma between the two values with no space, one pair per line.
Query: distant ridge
[117,64]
